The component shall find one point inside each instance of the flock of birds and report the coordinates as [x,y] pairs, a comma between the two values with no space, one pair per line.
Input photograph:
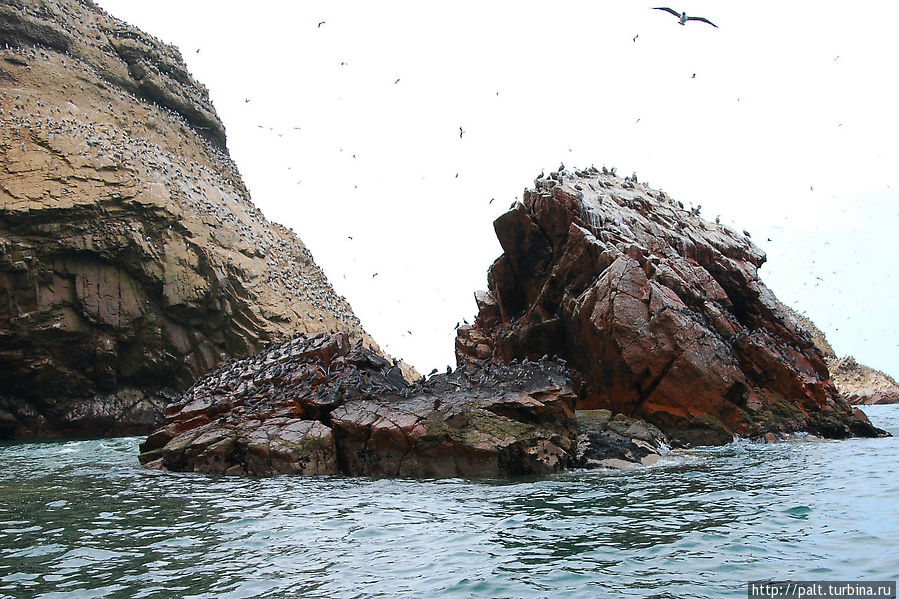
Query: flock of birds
[682,16]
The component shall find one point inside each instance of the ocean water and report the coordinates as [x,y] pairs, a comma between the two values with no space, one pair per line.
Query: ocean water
[83,519]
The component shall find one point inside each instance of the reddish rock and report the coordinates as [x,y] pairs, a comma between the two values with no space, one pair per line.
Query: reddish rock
[868,397]
[660,315]
[321,405]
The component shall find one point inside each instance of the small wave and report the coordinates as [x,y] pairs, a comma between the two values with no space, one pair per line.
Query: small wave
[800,512]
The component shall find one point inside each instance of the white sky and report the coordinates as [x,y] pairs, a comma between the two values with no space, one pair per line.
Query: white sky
[789,130]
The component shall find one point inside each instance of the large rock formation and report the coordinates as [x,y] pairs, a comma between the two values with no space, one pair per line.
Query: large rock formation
[131,258]
[322,405]
[857,383]
[660,314]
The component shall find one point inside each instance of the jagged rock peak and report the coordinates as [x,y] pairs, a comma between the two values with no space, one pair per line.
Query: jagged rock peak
[132,259]
[660,314]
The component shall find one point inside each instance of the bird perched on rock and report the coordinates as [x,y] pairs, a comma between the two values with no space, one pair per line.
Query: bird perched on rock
[682,16]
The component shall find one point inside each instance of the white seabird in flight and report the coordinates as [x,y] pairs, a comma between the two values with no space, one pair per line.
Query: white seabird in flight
[682,16]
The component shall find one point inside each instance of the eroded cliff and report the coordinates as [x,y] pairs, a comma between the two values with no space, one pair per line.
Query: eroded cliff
[131,257]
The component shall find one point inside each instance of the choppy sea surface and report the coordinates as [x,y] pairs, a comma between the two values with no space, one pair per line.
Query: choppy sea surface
[83,519]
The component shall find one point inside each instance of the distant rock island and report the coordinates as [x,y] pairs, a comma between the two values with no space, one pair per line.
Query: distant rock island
[131,257]
[857,383]
[144,293]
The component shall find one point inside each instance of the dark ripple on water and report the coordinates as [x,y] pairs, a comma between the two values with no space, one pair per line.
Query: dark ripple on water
[82,519]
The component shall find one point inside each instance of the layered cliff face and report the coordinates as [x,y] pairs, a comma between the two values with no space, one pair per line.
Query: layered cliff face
[131,257]
[857,383]
[660,314]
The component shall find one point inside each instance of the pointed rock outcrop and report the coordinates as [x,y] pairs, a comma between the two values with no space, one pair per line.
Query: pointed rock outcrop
[660,314]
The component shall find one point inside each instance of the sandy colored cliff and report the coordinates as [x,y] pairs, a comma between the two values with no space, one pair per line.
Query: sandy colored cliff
[132,259]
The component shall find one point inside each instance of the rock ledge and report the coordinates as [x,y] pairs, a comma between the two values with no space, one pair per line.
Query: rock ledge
[322,405]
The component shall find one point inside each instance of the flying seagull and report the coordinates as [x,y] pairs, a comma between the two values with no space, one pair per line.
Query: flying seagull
[683,16]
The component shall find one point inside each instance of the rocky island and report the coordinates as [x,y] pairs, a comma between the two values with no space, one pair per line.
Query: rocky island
[657,316]
[143,292]
[322,405]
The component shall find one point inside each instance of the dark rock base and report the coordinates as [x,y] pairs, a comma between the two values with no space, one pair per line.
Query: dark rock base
[319,405]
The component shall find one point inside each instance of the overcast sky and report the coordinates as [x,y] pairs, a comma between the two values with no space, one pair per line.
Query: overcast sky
[350,129]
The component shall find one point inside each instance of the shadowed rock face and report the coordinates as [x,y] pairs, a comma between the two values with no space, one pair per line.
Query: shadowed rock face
[131,257]
[660,314]
[322,405]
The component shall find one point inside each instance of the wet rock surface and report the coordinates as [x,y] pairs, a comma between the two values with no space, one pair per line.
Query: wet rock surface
[660,314]
[616,441]
[322,404]
[131,257]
